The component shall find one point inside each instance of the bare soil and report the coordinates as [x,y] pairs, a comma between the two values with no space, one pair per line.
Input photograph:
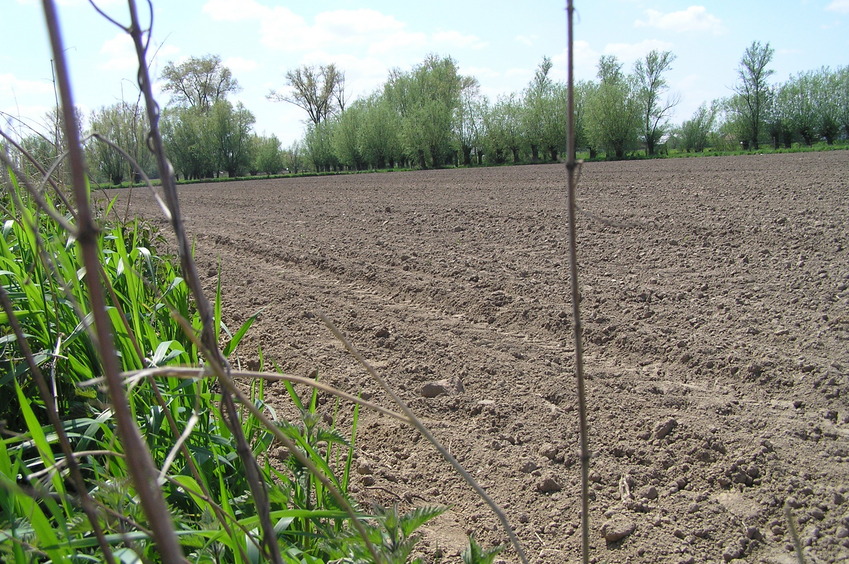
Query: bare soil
[716,323]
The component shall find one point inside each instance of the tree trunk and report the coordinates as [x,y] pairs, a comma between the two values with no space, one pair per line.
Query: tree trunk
[515,154]
[534,153]
[467,155]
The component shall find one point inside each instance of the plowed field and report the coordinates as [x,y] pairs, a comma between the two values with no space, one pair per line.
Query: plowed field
[716,317]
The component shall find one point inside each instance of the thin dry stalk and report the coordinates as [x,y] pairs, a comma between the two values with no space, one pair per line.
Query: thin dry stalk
[139,460]
[794,534]
[186,373]
[214,356]
[425,432]
[571,168]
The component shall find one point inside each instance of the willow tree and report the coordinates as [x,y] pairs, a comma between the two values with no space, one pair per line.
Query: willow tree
[319,91]
[656,103]
[199,83]
[752,90]
[426,99]
[612,110]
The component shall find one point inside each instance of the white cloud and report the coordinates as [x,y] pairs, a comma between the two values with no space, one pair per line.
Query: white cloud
[21,87]
[457,39]
[528,40]
[839,6]
[240,64]
[119,52]
[234,10]
[694,18]
[585,59]
[371,31]
[630,52]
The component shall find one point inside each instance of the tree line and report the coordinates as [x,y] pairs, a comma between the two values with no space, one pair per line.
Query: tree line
[432,116]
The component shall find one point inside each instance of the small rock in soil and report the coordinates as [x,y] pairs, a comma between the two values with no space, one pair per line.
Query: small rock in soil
[664,428]
[617,528]
[436,389]
[648,492]
[548,484]
[548,450]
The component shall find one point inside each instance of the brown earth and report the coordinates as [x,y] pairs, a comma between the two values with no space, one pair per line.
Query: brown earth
[716,317]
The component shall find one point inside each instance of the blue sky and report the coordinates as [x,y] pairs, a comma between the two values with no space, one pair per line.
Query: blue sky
[499,42]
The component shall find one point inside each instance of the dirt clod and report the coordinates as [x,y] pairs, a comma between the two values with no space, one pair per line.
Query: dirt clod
[617,528]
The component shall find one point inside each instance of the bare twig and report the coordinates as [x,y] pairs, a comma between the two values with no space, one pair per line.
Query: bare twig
[794,534]
[139,461]
[571,166]
[186,373]
[208,338]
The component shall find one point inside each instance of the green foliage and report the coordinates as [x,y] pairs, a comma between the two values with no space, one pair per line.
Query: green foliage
[426,99]
[612,110]
[126,126]
[475,554]
[695,132]
[202,143]
[267,155]
[651,86]
[199,83]
[752,90]
[393,534]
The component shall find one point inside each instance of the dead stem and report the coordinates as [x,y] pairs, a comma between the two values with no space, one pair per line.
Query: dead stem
[571,167]
[139,460]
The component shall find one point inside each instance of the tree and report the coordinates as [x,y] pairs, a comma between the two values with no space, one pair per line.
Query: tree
[841,79]
[199,82]
[827,100]
[752,89]
[503,125]
[583,91]
[795,99]
[695,131]
[318,146]
[267,155]
[651,85]
[230,130]
[189,143]
[778,118]
[293,157]
[346,140]
[612,110]
[380,132]
[468,120]
[124,125]
[536,98]
[320,91]
[426,100]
